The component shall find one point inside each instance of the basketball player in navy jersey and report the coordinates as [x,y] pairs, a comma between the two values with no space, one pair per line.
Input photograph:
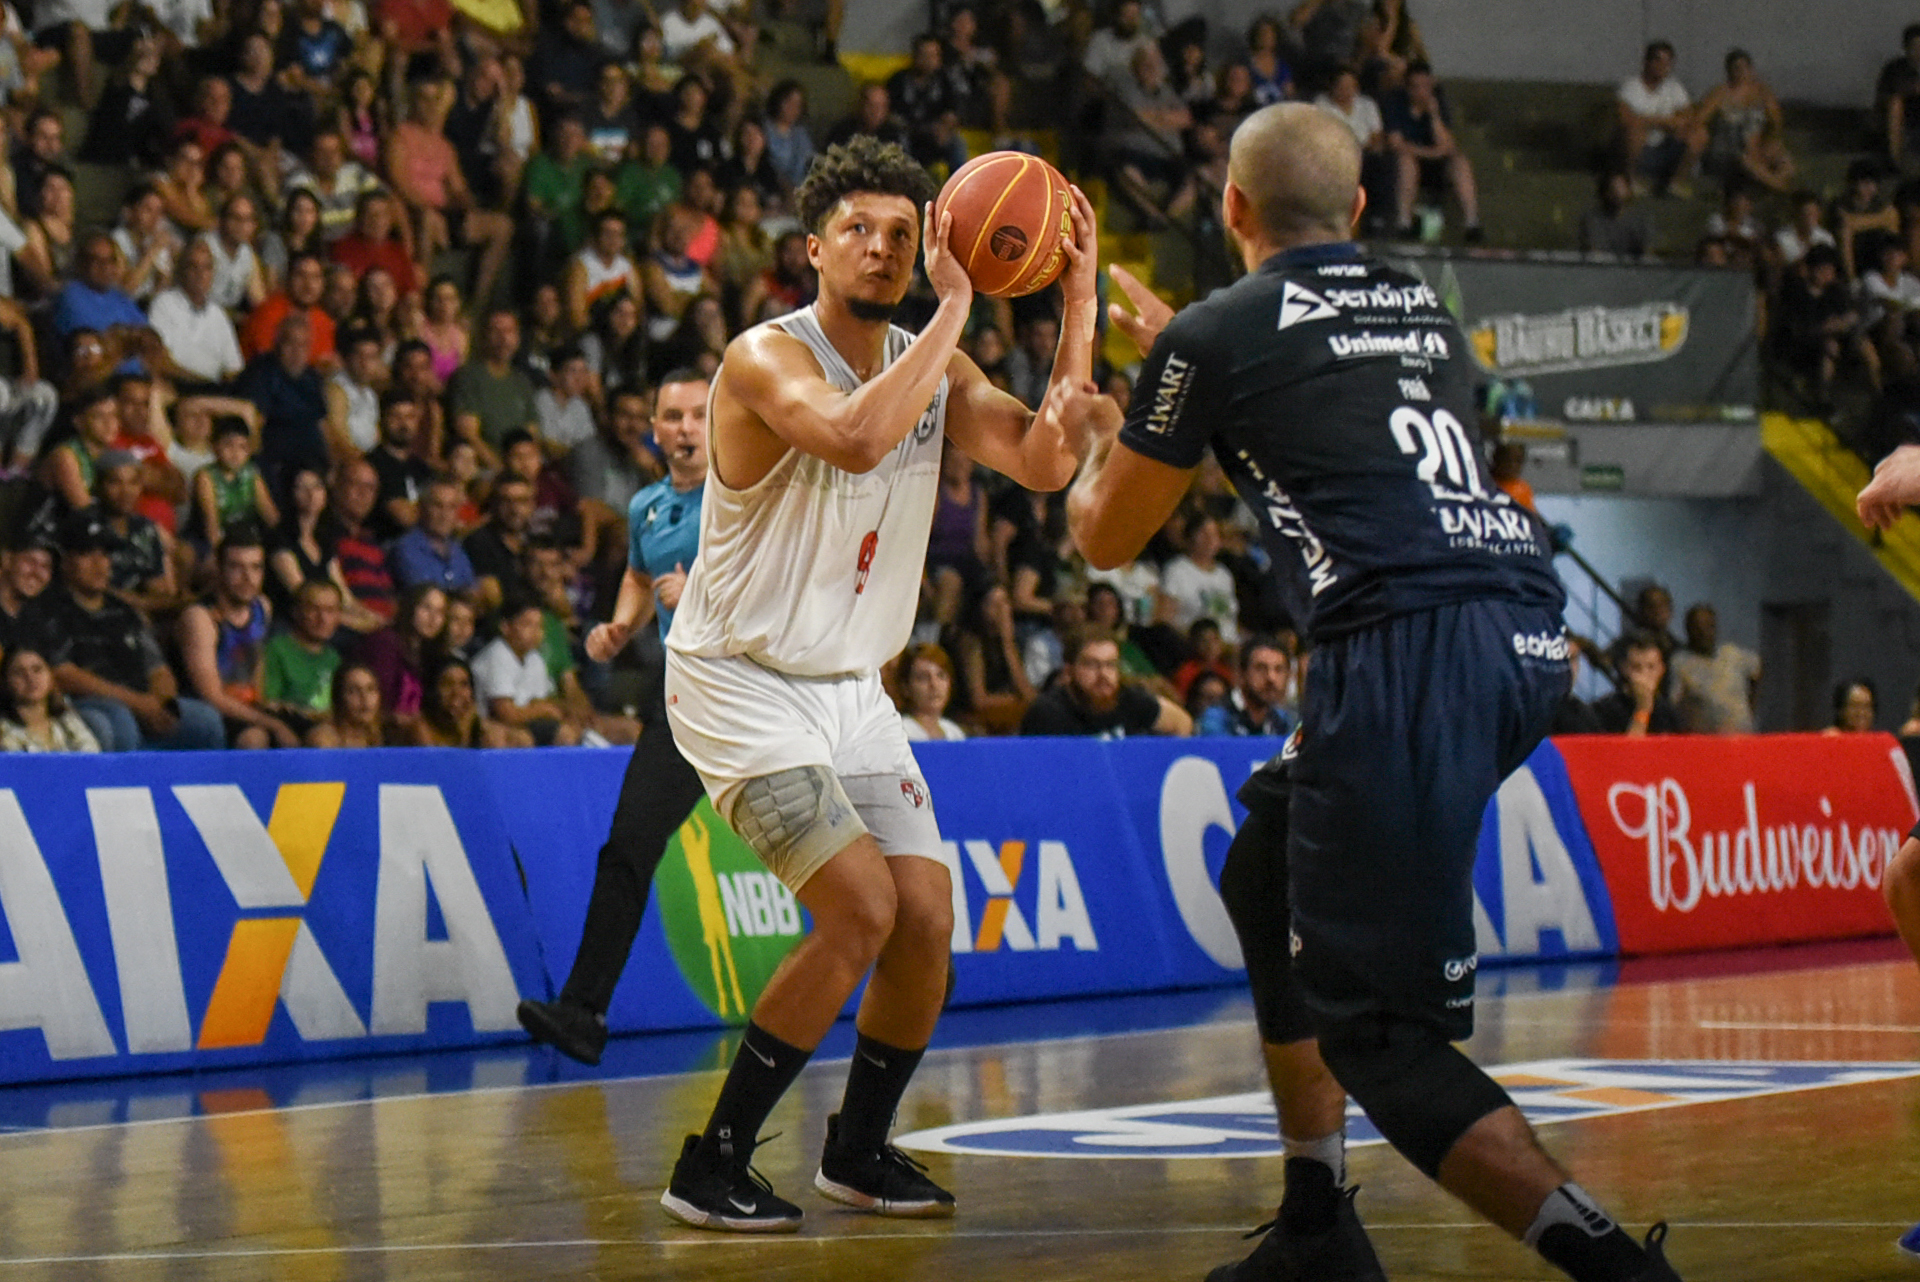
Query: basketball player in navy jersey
[1337,394]
[1895,488]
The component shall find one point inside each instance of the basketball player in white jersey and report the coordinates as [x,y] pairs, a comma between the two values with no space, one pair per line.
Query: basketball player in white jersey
[825,438]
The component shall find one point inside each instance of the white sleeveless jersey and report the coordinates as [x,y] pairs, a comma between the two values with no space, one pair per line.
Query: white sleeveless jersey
[815,571]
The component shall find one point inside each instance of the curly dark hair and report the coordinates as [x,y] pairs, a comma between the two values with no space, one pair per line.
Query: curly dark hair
[862,163]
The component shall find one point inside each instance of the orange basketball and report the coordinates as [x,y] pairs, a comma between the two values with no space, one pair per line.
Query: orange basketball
[1012,216]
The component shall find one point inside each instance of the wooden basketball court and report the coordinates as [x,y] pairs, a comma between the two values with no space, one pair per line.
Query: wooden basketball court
[510,1164]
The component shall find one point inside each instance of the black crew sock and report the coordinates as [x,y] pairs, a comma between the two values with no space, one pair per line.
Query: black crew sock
[1312,1201]
[1573,1233]
[875,1083]
[763,1069]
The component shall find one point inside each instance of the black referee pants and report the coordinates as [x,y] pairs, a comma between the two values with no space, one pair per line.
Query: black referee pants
[657,794]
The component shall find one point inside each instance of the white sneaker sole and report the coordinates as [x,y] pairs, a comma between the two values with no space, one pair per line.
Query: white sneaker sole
[687,1213]
[927,1210]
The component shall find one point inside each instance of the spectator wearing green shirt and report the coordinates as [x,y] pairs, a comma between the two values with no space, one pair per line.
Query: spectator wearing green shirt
[648,187]
[555,181]
[493,389]
[550,574]
[297,682]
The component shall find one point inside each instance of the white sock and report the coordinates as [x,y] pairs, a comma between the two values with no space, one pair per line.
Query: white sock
[1329,1150]
[1569,1205]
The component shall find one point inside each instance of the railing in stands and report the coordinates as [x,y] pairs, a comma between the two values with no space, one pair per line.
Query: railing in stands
[1595,611]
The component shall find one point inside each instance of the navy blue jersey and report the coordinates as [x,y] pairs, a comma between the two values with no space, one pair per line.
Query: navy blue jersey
[1338,395]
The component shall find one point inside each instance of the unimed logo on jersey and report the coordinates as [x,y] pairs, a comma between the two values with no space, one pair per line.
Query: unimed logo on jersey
[1032,897]
[274,959]
[729,922]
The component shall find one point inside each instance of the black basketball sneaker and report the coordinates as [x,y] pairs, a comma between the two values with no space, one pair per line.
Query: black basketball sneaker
[722,1191]
[1299,1248]
[887,1182]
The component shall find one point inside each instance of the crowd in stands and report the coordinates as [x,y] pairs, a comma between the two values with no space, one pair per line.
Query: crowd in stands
[327,349]
[330,347]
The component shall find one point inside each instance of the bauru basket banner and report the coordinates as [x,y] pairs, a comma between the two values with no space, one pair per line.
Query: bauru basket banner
[1607,342]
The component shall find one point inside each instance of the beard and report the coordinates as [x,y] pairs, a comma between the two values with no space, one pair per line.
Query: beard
[871,311]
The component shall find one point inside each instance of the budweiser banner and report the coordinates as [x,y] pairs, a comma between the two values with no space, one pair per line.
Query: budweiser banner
[1733,842]
[1608,342]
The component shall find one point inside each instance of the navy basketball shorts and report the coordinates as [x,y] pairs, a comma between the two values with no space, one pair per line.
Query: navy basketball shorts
[1410,727]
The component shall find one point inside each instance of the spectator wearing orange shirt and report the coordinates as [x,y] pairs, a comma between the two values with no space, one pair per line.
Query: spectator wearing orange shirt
[1509,457]
[306,281]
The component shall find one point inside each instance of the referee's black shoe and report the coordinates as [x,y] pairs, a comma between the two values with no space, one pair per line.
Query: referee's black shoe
[1334,1250]
[569,1028]
[887,1182]
[721,1190]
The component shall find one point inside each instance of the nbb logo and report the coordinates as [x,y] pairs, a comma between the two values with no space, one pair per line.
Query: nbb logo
[273,958]
[728,921]
[1059,909]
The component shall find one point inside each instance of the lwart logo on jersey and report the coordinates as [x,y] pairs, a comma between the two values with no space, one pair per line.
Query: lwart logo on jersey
[1170,395]
[1547,1091]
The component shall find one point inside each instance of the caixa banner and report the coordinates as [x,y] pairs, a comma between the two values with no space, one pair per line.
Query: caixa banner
[198,910]
[162,911]
[1732,842]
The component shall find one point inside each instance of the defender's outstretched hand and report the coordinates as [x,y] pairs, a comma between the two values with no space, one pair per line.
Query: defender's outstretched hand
[1153,315]
[1895,487]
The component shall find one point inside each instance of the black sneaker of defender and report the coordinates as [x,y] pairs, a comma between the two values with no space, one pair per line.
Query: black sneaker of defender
[573,1030]
[724,1192]
[885,1183]
[1657,1270]
[1340,1253]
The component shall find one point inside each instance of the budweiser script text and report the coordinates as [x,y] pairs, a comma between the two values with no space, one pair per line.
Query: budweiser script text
[1754,859]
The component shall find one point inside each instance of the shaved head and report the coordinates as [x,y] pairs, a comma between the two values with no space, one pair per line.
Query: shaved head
[1299,168]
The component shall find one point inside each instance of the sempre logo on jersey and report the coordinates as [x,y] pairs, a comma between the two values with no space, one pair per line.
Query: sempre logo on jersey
[1298,305]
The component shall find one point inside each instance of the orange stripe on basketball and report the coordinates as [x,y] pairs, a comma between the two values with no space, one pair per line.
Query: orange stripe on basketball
[947,198]
[986,223]
[1040,242]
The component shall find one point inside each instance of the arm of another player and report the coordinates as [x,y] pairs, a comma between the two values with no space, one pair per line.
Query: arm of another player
[775,377]
[1122,496]
[631,611]
[1038,449]
[1895,487]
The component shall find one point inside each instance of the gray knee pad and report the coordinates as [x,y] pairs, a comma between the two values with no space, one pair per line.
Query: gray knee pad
[1420,1092]
[795,820]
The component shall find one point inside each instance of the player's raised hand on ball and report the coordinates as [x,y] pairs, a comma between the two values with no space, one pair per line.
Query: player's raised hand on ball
[944,272]
[1152,313]
[1894,488]
[1080,282]
[606,640]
